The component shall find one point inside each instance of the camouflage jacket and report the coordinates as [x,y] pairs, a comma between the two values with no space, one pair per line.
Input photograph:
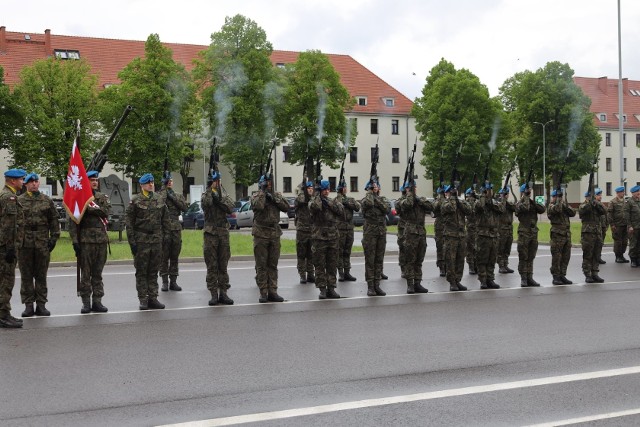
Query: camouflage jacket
[266,214]
[472,218]
[11,220]
[413,211]
[506,218]
[40,220]
[527,212]
[351,205]
[303,215]
[488,211]
[93,228]
[559,214]
[590,212]
[325,215]
[616,211]
[216,207]
[437,223]
[374,211]
[453,211]
[147,219]
[632,213]
[176,206]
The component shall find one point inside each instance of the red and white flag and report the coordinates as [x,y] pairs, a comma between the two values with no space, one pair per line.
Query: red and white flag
[77,188]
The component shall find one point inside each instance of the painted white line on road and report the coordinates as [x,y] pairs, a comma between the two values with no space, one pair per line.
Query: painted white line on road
[358,404]
[589,418]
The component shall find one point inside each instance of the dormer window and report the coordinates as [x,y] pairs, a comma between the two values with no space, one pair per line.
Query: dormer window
[624,117]
[602,117]
[388,102]
[280,64]
[66,54]
[362,101]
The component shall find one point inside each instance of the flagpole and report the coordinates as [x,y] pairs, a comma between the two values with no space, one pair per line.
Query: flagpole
[78,224]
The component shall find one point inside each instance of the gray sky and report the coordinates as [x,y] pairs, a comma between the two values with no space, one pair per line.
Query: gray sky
[395,39]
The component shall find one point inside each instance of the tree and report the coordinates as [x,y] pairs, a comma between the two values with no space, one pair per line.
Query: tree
[165,121]
[551,94]
[241,93]
[10,117]
[315,120]
[52,95]
[458,120]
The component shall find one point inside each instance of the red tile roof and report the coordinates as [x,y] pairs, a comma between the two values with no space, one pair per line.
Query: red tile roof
[108,56]
[604,99]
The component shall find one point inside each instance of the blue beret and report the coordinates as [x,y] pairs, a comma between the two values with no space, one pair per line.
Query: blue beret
[554,193]
[598,191]
[166,178]
[92,174]
[439,190]
[587,194]
[309,184]
[324,185]
[620,189]
[15,173]
[523,187]
[635,188]
[31,177]
[215,175]
[469,190]
[370,184]
[146,178]
[487,186]
[447,188]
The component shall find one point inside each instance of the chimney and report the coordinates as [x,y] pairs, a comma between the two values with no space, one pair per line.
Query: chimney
[602,84]
[3,39]
[625,85]
[47,43]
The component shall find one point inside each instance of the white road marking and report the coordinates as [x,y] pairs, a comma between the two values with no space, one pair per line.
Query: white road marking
[367,403]
[589,418]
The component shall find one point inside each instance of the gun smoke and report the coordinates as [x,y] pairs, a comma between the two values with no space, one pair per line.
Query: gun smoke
[232,80]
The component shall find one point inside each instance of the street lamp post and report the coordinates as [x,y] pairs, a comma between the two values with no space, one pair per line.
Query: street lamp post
[544,157]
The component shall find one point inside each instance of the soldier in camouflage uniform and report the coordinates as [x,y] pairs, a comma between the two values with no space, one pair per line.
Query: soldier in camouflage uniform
[619,231]
[438,230]
[527,211]
[454,211]
[604,225]
[471,229]
[172,245]
[632,216]
[11,238]
[266,232]
[374,236]
[41,232]
[488,212]
[402,259]
[345,230]
[505,232]
[148,226]
[325,215]
[559,213]
[303,234]
[90,242]
[216,205]
[413,210]
[591,237]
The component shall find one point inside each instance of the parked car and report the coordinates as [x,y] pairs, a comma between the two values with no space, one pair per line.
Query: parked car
[244,217]
[392,217]
[358,219]
[193,218]
[292,207]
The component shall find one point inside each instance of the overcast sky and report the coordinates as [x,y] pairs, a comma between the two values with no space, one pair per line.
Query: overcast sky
[399,40]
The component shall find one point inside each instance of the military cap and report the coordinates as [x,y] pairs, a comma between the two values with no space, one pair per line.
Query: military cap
[598,191]
[487,186]
[620,189]
[469,191]
[92,174]
[31,177]
[447,188]
[15,173]
[324,185]
[370,184]
[439,190]
[554,193]
[146,178]
[166,178]
[587,194]
[215,175]
[635,188]
[308,184]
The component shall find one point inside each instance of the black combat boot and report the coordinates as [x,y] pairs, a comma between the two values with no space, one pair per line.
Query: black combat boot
[332,294]
[523,281]
[565,280]
[173,284]
[557,280]
[589,279]
[472,269]
[97,306]
[601,261]
[634,262]
[340,275]
[483,284]
[311,278]
[410,287]
[597,278]
[303,279]
[214,297]
[532,282]
[371,292]
[443,271]
[379,292]
[348,276]
[502,270]
[620,259]
[417,286]
[144,304]
[154,304]
[461,287]
[165,283]
[383,276]
[491,284]
[224,298]
[273,296]
[323,293]
[86,305]
[508,270]
[8,321]
[453,287]
[264,296]
[28,310]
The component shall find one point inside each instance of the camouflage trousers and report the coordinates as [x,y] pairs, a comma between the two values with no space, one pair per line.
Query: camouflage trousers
[304,242]
[345,243]
[414,248]
[7,282]
[439,238]
[470,246]
[560,254]
[217,253]
[503,250]
[266,253]
[33,264]
[634,246]
[93,256]
[325,262]
[591,247]
[454,254]
[620,239]
[374,245]
[527,250]
[402,253]
[171,248]
[147,263]
[486,255]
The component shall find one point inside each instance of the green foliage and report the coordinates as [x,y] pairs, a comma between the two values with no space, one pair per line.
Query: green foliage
[51,96]
[165,114]
[10,116]
[541,96]
[455,113]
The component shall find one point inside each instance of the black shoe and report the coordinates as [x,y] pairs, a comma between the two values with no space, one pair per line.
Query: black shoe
[97,307]
[419,288]
[340,276]
[598,279]
[620,259]
[28,310]
[274,297]
[411,287]
[303,279]
[524,282]
[443,272]
[565,280]
[224,298]
[144,305]
[332,294]
[491,284]
[462,288]
[264,296]
[503,270]
[557,280]
[483,285]
[531,282]
[601,261]
[634,262]
[86,307]
[589,279]
[379,292]
[311,278]
[371,292]
[509,270]
[454,288]
[173,286]
[383,276]
[349,277]
[154,304]
[323,293]
[214,298]
[10,322]
[165,286]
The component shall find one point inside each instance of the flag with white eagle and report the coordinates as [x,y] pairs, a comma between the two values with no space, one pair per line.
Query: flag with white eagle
[77,188]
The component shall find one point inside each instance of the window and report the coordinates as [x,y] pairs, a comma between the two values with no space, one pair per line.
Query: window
[388,102]
[395,155]
[637,164]
[624,163]
[280,64]
[395,183]
[286,184]
[66,54]
[353,181]
[607,139]
[191,180]
[608,164]
[637,139]
[608,189]
[54,186]
[603,117]
[374,126]
[286,153]
[362,101]
[353,155]
[624,139]
[395,127]
[332,183]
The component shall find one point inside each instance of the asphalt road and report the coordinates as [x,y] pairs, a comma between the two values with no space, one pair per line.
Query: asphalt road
[506,357]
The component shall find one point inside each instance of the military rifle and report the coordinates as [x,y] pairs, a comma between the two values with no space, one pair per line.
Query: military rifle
[268,171]
[409,172]
[486,171]
[213,157]
[341,181]
[590,189]
[564,165]
[373,173]
[507,178]
[474,179]
[166,175]
[455,174]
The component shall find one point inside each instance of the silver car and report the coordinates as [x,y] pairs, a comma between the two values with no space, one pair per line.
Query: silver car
[244,217]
